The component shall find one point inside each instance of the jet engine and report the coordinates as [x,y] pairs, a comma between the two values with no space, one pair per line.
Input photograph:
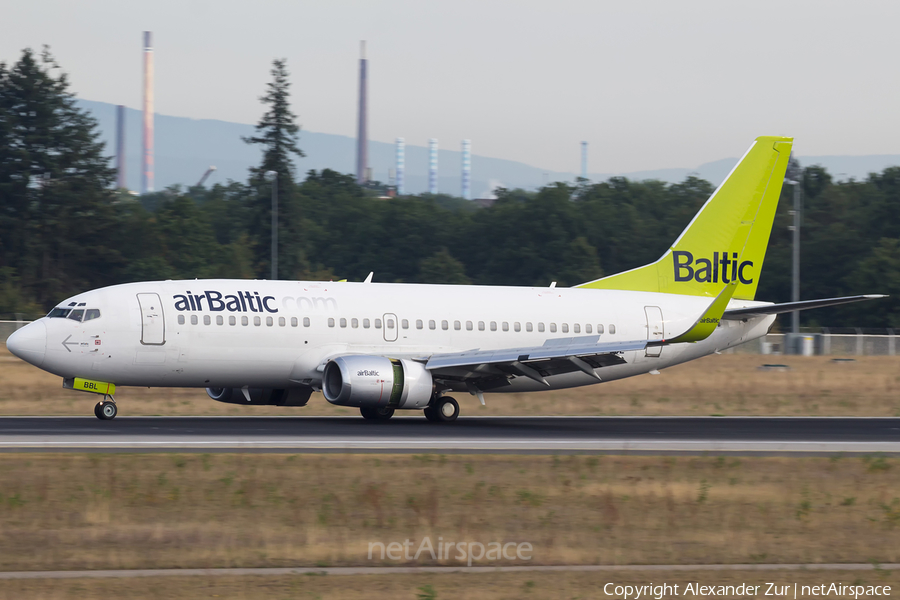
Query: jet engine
[297,396]
[376,381]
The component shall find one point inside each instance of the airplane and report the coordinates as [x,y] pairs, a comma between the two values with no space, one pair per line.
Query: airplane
[383,347]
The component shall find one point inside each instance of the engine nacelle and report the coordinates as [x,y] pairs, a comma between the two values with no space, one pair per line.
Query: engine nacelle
[297,396]
[376,381]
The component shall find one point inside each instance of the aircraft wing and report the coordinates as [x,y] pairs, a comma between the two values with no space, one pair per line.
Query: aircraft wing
[490,369]
[775,309]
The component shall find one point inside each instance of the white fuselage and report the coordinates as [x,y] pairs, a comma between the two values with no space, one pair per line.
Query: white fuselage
[280,334]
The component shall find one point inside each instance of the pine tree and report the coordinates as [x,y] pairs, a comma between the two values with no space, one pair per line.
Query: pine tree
[277,132]
[55,182]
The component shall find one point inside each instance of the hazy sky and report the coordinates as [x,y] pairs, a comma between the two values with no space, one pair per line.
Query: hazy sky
[647,84]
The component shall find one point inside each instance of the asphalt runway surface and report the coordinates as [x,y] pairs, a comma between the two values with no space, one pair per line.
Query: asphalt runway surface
[544,435]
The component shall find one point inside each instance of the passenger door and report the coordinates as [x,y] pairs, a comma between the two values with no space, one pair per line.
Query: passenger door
[655,329]
[153,325]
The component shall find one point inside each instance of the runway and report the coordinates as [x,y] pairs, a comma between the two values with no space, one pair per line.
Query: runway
[543,435]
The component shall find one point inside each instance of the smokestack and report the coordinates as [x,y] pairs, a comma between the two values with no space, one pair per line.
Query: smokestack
[467,169]
[584,160]
[401,166]
[432,166]
[147,183]
[120,147]
[362,139]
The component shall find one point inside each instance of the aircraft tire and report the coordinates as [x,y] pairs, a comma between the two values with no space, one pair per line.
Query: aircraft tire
[431,414]
[376,414]
[97,411]
[446,409]
[106,411]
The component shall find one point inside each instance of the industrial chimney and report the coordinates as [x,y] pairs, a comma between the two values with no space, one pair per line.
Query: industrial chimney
[147,183]
[467,169]
[432,166]
[584,160]
[120,147]
[401,166]
[362,138]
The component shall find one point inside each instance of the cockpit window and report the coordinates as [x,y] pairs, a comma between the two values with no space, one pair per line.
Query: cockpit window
[91,313]
[59,313]
[76,314]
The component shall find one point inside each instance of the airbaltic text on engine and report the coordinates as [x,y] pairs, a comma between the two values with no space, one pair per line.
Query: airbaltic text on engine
[706,270]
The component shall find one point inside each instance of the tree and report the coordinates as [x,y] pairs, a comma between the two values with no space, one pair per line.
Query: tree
[56,193]
[277,132]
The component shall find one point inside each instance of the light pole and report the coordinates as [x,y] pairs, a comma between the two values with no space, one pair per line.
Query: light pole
[795,279]
[272,177]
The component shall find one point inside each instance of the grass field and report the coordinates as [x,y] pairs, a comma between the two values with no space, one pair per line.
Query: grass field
[108,511]
[728,384]
[487,586]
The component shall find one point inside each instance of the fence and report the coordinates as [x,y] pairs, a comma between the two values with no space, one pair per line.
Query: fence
[827,342]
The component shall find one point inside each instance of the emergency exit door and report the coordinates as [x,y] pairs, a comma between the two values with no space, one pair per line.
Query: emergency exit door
[655,329]
[153,325]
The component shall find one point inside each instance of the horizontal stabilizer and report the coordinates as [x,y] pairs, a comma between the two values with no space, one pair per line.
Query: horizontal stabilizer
[775,309]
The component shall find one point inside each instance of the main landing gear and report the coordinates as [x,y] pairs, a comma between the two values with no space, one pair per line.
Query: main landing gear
[106,410]
[442,410]
[376,414]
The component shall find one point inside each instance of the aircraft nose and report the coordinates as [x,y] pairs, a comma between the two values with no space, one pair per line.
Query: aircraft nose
[29,343]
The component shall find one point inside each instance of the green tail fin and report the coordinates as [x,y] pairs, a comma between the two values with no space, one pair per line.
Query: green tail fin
[726,241]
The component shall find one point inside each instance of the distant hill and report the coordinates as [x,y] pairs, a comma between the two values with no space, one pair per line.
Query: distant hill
[185,148]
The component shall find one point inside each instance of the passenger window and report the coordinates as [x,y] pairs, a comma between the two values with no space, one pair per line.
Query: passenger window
[457,325]
[256,321]
[377,323]
[565,328]
[480,325]
[206,320]
[181,319]
[419,324]
[366,323]
[306,321]
[468,325]
[505,326]
[431,324]
[389,323]
[600,329]
[220,320]
[193,319]
[331,321]
[541,327]
[612,329]
[232,321]
[493,325]
[445,325]
[76,315]
[587,328]
[269,321]
[281,321]
[404,324]
[517,326]
[245,321]
[293,321]
[91,314]
[528,327]
[552,327]
[576,328]
[354,323]
[343,322]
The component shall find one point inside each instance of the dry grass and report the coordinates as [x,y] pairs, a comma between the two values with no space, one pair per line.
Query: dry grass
[722,385]
[100,511]
[493,586]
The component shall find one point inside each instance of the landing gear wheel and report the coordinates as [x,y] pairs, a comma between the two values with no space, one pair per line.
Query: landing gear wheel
[106,410]
[376,414]
[444,410]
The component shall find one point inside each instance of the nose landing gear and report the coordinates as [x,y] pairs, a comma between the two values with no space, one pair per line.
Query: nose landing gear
[106,409]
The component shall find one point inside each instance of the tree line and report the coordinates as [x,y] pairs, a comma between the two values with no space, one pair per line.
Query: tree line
[65,229]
